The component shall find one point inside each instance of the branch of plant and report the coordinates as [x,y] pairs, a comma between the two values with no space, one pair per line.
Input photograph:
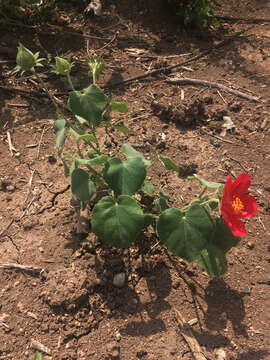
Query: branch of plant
[43,86]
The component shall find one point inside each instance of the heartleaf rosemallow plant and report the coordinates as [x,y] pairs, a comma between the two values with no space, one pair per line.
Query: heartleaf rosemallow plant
[123,203]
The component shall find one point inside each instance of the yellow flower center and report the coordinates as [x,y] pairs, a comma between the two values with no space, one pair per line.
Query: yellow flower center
[237,205]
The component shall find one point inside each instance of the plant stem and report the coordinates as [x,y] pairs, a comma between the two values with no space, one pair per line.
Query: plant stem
[210,201]
[79,150]
[43,86]
[96,140]
[70,82]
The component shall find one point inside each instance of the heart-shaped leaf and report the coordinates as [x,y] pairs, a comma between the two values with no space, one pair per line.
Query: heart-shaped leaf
[148,188]
[117,223]
[81,185]
[130,153]
[186,235]
[89,105]
[168,163]
[125,178]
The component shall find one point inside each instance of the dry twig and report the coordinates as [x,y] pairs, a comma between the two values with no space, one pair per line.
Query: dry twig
[210,84]
[10,145]
[187,333]
[40,347]
[6,228]
[217,137]
[26,268]
[166,68]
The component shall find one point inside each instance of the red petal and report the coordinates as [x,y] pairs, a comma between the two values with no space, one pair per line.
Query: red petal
[235,224]
[227,193]
[238,227]
[250,206]
[241,184]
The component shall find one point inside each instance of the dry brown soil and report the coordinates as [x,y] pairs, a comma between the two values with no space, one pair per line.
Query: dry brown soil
[71,306]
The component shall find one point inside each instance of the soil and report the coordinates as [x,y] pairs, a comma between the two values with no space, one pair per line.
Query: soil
[72,306]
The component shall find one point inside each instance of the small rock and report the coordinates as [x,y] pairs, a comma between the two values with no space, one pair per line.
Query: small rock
[118,336]
[51,159]
[141,354]
[193,321]
[10,188]
[220,354]
[119,280]
[247,290]
[250,245]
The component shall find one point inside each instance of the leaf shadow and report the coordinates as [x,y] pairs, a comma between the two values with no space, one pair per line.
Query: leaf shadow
[224,304]
[144,298]
[252,355]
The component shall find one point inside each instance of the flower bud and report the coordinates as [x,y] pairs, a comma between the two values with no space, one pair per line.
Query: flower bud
[62,66]
[25,59]
[96,67]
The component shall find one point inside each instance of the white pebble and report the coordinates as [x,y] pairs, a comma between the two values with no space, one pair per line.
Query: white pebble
[220,354]
[119,280]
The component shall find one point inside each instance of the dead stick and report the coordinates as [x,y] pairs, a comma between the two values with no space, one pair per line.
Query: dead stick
[24,91]
[210,84]
[217,137]
[166,68]
[27,268]
[187,333]
[6,228]
[247,21]
[40,347]
[10,145]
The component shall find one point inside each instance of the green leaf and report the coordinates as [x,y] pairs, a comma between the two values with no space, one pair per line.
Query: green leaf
[89,105]
[125,178]
[81,186]
[88,138]
[60,132]
[168,163]
[38,356]
[223,238]
[130,153]
[117,223]
[203,182]
[148,219]
[186,235]
[81,120]
[74,133]
[101,159]
[119,106]
[120,128]
[148,188]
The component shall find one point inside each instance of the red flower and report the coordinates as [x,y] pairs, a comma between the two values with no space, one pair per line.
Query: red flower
[237,204]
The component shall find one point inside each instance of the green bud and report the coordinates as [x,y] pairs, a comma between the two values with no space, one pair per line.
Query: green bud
[96,67]
[62,66]
[26,60]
